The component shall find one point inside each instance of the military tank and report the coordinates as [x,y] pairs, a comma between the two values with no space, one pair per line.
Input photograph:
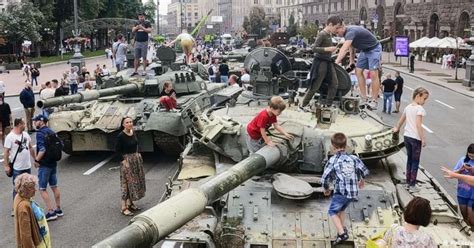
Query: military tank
[90,120]
[273,198]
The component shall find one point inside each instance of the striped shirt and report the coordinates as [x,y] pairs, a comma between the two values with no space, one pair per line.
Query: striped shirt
[346,171]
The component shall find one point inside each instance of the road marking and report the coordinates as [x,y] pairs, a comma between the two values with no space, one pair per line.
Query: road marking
[408,87]
[442,103]
[97,166]
[426,128]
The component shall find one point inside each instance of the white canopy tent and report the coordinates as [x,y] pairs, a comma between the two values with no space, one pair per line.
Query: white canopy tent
[419,42]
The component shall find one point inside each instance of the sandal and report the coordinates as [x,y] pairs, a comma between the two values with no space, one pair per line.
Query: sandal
[134,208]
[126,212]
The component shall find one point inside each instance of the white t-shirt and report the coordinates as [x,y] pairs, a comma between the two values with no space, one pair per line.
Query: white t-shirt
[245,78]
[2,87]
[13,141]
[411,112]
[47,93]
[185,36]
[105,72]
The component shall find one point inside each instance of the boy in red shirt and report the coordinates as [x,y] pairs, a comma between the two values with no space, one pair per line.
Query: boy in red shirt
[257,128]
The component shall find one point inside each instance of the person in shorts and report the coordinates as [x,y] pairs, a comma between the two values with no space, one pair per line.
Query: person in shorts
[47,170]
[187,43]
[357,37]
[348,173]
[141,29]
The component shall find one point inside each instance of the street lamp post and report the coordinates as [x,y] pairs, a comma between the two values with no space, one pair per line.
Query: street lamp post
[77,59]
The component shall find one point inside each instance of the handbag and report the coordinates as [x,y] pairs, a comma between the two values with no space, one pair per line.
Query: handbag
[10,174]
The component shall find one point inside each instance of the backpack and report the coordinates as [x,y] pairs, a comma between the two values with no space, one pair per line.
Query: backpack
[210,71]
[53,146]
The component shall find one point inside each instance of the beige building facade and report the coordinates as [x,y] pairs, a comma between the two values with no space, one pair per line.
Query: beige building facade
[414,18]
[184,14]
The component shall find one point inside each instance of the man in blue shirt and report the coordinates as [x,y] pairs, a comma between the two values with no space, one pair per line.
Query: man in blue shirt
[348,172]
[357,37]
[46,169]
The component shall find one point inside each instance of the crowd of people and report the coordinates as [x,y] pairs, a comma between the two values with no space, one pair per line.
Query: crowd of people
[345,171]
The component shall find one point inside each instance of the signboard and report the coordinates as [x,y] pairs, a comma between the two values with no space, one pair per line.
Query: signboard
[216,19]
[401,44]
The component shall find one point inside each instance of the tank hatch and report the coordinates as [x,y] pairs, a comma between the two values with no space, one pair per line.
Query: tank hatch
[291,187]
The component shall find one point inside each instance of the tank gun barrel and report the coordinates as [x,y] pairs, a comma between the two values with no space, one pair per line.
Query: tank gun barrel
[156,223]
[89,95]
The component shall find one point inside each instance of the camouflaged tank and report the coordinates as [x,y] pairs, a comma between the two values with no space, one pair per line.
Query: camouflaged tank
[90,120]
[274,198]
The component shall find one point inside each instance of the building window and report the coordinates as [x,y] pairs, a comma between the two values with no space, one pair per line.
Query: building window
[315,9]
[335,6]
[342,4]
[255,1]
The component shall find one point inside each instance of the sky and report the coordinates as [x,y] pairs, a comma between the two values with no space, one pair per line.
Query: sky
[163,5]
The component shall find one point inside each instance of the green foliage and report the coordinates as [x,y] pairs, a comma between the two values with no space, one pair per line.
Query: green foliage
[21,21]
[292,28]
[158,38]
[150,11]
[309,32]
[256,22]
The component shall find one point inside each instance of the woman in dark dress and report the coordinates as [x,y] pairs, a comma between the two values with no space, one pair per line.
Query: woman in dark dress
[132,175]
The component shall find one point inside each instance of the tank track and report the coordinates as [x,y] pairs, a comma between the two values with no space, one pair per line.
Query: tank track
[169,144]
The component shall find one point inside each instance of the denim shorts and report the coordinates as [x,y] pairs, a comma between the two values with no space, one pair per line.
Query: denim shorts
[466,201]
[338,204]
[47,175]
[370,60]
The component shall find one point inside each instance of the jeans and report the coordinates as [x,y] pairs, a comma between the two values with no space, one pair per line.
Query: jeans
[413,147]
[34,80]
[338,204]
[387,102]
[224,78]
[73,89]
[15,174]
[47,175]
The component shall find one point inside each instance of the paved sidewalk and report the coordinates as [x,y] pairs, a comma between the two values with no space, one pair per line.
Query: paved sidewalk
[429,72]
[15,80]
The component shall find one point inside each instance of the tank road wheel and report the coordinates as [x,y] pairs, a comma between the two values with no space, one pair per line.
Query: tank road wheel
[67,142]
[169,144]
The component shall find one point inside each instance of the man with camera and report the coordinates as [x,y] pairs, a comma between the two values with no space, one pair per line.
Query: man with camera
[141,29]
[18,152]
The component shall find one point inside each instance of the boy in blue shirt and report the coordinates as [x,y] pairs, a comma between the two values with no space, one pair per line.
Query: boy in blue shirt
[348,172]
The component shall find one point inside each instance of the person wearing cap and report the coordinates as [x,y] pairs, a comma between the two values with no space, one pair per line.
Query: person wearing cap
[46,169]
[27,98]
[141,29]
[244,76]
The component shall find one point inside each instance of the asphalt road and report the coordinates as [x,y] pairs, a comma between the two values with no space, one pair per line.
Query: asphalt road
[448,125]
[91,202]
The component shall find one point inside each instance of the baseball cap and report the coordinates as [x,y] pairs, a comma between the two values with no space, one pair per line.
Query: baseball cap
[141,12]
[40,117]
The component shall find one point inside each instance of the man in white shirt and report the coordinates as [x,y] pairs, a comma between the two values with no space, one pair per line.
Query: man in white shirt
[120,52]
[233,81]
[245,76]
[18,150]
[47,92]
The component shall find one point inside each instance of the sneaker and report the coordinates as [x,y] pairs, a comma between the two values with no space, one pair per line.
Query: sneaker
[414,189]
[144,74]
[134,74]
[372,105]
[340,238]
[51,216]
[59,212]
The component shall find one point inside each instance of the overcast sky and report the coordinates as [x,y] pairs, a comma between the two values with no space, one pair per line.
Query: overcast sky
[163,5]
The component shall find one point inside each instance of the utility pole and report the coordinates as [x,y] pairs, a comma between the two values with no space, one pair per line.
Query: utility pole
[77,58]
[157,17]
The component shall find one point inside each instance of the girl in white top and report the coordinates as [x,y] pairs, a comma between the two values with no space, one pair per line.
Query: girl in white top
[414,137]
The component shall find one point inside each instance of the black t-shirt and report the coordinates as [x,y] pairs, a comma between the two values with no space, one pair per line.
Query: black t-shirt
[224,70]
[61,91]
[399,81]
[126,144]
[389,85]
[163,93]
[5,113]
[140,35]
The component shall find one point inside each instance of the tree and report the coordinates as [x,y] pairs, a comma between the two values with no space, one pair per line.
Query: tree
[150,11]
[256,22]
[309,32]
[20,22]
[292,26]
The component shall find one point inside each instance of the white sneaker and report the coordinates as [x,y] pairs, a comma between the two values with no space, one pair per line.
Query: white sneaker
[414,189]
[372,105]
